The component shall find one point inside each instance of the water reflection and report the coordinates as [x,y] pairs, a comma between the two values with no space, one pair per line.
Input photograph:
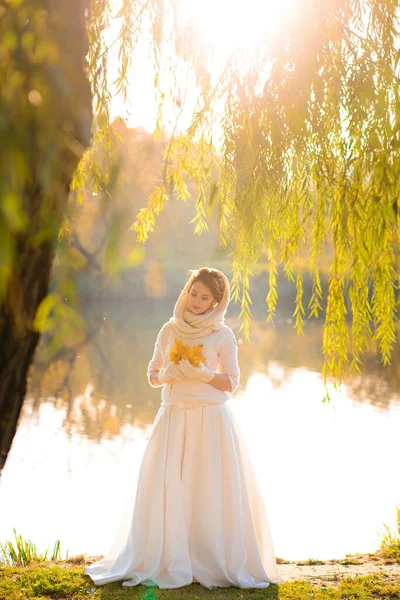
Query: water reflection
[59,484]
[113,356]
[327,471]
[376,385]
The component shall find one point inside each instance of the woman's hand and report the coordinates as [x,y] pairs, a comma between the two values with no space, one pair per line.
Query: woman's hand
[202,372]
[171,371]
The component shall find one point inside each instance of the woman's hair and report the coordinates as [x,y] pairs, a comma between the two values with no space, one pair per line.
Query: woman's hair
[211,278]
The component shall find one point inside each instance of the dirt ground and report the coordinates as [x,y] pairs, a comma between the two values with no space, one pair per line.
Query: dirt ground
[331,572]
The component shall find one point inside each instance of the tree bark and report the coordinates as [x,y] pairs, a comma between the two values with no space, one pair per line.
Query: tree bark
[50,121]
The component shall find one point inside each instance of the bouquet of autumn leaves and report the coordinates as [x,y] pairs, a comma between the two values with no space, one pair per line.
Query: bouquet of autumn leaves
[180,350]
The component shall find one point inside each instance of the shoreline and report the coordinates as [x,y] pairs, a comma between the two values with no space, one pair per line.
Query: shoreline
[317,572]
[358,576]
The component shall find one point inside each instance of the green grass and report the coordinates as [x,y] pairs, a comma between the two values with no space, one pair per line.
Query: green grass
[42,582]
[390,546]
[24,552]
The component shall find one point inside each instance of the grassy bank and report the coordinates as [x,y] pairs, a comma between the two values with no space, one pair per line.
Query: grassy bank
[42,581]
[355,577]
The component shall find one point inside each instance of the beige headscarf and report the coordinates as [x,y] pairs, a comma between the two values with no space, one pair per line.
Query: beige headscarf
[186,323]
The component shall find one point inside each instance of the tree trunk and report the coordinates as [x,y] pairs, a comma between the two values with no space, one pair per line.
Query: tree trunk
[48,126]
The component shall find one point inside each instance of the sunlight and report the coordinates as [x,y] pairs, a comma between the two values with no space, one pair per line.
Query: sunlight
[228,26]
[223,28]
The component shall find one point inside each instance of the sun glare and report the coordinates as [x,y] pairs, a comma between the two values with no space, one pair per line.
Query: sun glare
[228,26]
[223,28]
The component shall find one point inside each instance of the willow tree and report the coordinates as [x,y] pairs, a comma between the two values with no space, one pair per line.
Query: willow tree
[309,149]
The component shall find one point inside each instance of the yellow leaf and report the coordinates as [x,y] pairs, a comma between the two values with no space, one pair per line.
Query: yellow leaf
[180,351]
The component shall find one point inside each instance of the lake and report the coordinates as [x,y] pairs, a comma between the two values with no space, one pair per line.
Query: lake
[328,470]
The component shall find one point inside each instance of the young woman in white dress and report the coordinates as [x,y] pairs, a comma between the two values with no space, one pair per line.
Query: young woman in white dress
[198,514]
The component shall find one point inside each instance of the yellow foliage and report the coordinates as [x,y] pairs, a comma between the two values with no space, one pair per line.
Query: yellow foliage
[180,350]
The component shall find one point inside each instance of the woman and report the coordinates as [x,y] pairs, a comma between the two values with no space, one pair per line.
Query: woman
[198,513]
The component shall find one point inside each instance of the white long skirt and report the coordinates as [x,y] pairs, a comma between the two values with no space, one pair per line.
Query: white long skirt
[198,513]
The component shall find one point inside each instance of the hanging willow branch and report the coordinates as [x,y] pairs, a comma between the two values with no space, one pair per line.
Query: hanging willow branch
[309,153]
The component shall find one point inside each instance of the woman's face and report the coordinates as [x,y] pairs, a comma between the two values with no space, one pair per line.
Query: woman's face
[200,298]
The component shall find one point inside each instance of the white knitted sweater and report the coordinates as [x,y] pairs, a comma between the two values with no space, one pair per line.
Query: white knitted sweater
[221,350]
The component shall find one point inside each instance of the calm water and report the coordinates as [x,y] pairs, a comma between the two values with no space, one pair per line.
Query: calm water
[328,471]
